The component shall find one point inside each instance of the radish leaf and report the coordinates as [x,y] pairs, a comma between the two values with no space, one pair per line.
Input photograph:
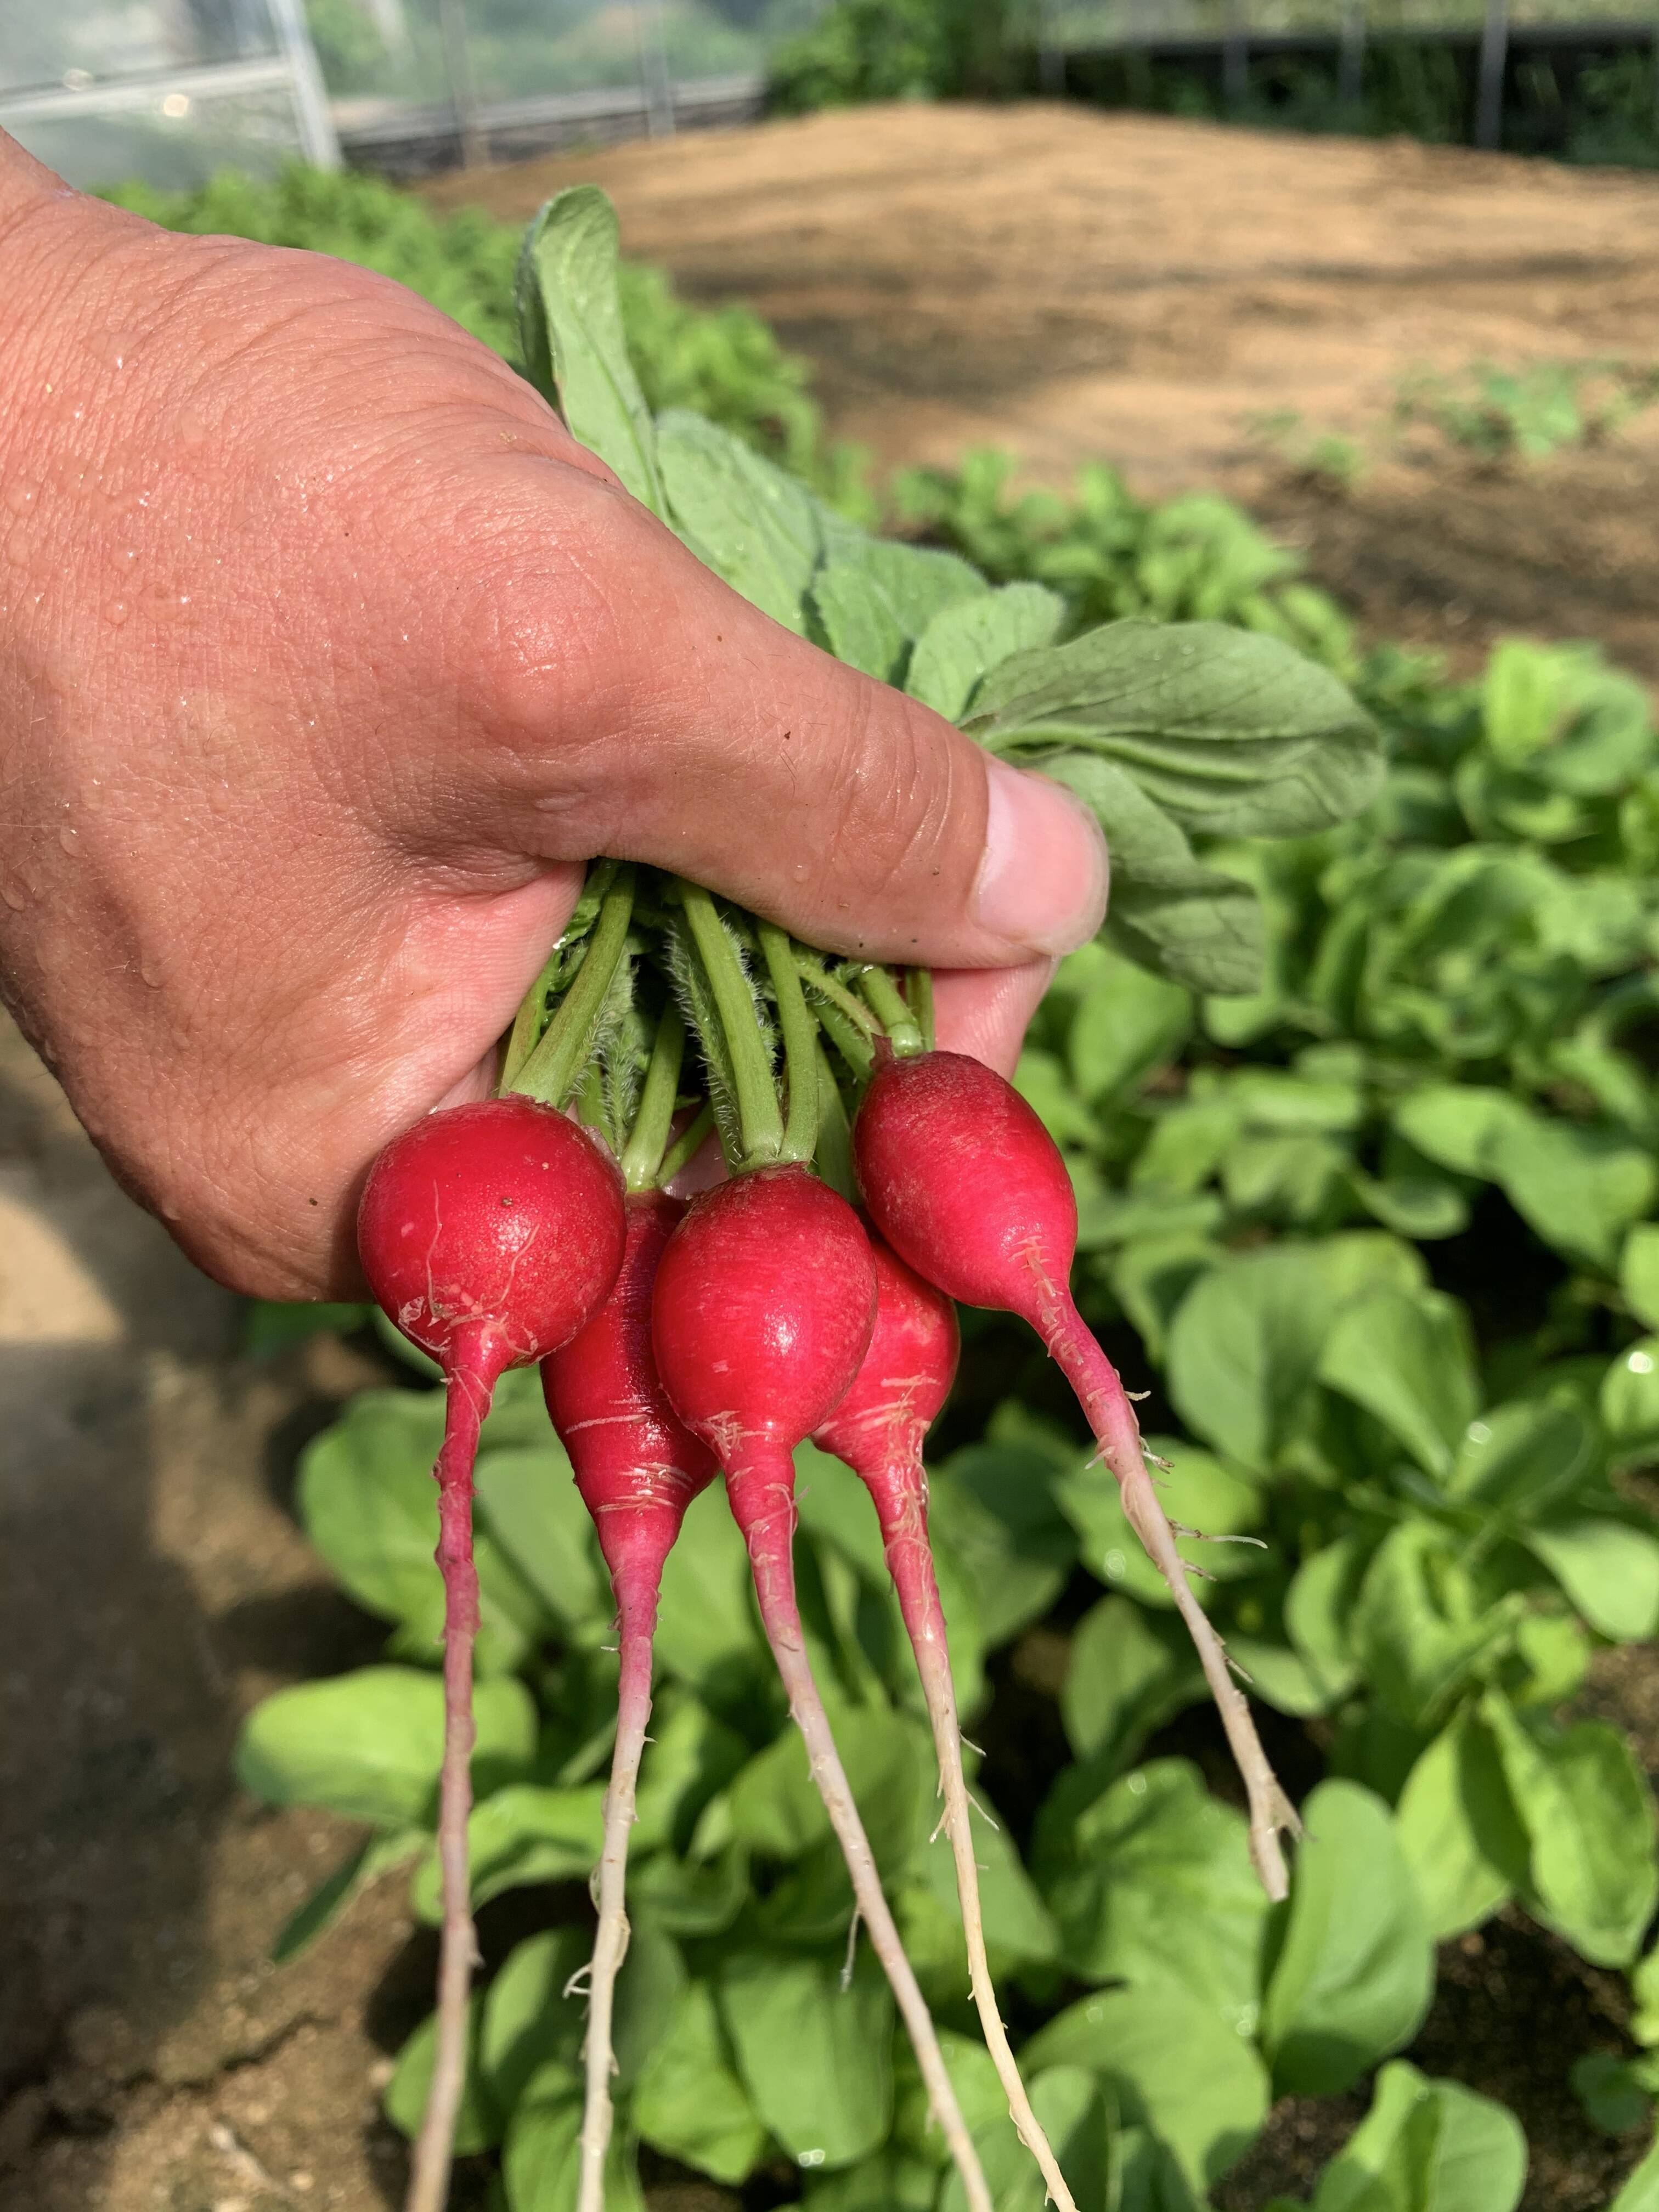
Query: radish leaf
[570,332]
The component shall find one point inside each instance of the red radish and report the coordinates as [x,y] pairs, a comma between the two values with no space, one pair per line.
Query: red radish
[967,1185]
[637,1469]
[765,1305]
[489,1234]
[879,1429]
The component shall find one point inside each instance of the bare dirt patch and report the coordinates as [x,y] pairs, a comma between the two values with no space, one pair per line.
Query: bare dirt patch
[1074,287]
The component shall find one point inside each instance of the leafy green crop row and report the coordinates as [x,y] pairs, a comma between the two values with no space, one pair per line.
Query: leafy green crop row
[1383,1236]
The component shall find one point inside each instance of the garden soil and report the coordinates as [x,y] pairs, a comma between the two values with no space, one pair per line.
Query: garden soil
[1068,285]
[1075,287]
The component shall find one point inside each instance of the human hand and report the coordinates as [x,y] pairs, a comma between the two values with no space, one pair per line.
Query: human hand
[327,658]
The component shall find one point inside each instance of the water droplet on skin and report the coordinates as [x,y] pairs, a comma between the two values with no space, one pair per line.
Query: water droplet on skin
[69,839]
[117,611]
[150,974]
[13,894]
[189,428]
[21,495]
[17,545]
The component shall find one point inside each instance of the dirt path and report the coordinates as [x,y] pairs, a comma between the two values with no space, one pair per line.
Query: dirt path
[1072,287]
[153,1586]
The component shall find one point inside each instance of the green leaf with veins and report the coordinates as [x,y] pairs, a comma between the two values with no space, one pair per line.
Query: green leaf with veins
[1588,1811]
[1152,1882]
[747,520]
[859,624]
[1421,1623]
[529,1503]
[1459,1829]
[369,1745]
[1426,2147]
[1638,1273]
[815,2059]
[1194,924]
[1177,2066]
[520,1838]
[1352,1969]
[1077,2114]
[1524,1458]
[369,1505]
[478,2123]
[533,2022]
[1609,1571]
[1630,1394]
[1017,1924]
[570,331]
[964,641]
[1128,1672]
[1407,1358]
[1232,732]
[689,2102]
[1199,1494]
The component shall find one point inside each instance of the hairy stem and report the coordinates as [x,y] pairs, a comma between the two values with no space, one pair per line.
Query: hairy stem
[654,1117]
[686,1146]
[818,978]
[555,1066]
[919,996]
[834,1157]
[886,1002]
[759,1116]
[472,1379]
[900,1492]
[761,1492]
[1106,1405]
[527,1022]
[799,1032]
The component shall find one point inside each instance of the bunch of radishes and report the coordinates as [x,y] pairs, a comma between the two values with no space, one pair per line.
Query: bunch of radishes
[679,1339]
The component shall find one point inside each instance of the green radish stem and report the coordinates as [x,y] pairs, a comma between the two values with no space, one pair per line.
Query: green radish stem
[686,1146]
[886,1001]
[555,1066]
[799,1033]
[654,1117]
[760,1118]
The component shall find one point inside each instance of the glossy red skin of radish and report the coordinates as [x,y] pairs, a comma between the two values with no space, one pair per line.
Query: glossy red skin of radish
[896,1396]
[489,1234]
[765,1299]
[636,1465]
[500,1223]
[965,1183]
